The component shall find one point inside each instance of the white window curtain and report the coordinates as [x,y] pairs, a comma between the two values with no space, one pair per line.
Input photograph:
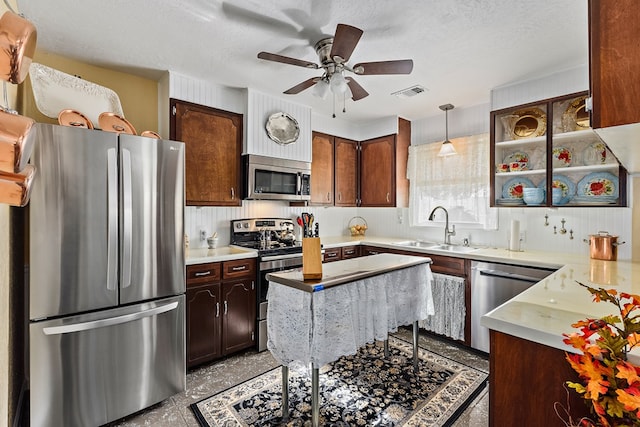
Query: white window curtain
[460,183]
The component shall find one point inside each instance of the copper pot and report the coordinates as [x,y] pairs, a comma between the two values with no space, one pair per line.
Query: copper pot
[603,246]
[17,135]
[16,187]
[17,47]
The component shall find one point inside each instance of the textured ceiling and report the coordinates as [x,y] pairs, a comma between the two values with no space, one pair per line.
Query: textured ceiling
[461,48]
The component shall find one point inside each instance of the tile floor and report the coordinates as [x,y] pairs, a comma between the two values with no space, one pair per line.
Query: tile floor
[210,379]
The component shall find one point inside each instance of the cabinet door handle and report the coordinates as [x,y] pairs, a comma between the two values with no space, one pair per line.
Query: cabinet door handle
[332,254]
[328,196]
[225,308]
[373,253]
[204,273]
[217,309]
[387,197]
[340,196]
[349,252]
[239,268]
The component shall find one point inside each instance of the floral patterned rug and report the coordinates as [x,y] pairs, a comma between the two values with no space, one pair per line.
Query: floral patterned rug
[361,390]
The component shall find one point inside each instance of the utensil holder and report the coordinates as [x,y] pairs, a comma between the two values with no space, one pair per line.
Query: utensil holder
[311,258]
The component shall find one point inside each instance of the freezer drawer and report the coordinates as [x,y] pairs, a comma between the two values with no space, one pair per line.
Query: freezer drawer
[92,369]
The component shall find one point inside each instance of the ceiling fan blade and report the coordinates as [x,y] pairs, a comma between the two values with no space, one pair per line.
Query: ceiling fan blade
[402,66]
[345,41]
[357,92]
[287,60]
[302,86]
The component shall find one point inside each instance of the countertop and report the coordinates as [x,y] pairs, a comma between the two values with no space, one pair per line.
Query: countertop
[223,253]
[348,270]
[541,314]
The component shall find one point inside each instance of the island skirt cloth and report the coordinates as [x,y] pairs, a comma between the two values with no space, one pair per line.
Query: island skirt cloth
[320,327]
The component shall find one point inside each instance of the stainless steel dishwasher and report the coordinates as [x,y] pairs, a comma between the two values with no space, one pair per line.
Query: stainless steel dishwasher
[493,284]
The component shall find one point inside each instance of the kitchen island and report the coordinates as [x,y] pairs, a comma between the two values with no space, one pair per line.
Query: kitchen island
[357,301]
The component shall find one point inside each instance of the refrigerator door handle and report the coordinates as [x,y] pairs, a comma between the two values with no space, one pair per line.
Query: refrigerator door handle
[112,219]
[85,326]
[127,218]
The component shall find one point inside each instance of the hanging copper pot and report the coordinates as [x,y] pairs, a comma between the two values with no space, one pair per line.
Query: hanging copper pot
[17,47]
[150,134]
[17,135]
[16,187]
[111,122]
[603,246]
[74,118]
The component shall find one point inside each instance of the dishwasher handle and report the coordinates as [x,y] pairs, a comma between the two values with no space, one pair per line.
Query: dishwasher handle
[509,276]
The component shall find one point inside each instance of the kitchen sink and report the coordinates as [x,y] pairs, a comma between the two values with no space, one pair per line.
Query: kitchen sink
[437,246]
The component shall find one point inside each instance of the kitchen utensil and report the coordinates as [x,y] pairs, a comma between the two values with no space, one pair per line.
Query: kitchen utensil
[603,246]
[112,122]
[17,47]
[17,135]
[15,187]
[74,118]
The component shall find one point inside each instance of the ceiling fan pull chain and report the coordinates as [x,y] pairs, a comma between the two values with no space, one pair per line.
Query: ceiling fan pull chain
[344,102]
[334,106]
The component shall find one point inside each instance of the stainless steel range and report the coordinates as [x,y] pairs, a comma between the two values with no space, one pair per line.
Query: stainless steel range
[274,239]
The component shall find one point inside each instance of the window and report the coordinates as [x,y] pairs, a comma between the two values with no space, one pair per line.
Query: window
[460,183]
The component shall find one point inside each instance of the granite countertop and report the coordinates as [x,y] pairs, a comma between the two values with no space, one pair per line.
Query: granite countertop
[346,271]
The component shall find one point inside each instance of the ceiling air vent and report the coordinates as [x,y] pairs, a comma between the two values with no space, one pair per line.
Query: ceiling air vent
[410,91]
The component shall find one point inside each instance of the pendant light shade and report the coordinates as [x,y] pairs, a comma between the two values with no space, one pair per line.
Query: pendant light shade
[321,89]
[447,148]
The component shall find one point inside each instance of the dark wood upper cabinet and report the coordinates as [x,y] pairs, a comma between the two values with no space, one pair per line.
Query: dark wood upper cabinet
[378,171]
[346,172]
[614,61]
[213,149]
[322,171]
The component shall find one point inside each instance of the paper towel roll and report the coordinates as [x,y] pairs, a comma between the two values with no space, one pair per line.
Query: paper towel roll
[514,239]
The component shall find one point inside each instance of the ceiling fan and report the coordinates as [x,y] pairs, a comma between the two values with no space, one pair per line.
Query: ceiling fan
[333,54]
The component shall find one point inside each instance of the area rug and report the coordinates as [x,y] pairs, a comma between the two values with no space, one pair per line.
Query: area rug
[361,390]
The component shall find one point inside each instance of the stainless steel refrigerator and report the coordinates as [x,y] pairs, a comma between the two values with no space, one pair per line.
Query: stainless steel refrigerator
[106,275]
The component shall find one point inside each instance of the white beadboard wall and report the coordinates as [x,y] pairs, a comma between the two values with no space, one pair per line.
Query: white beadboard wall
[260,107]
[557,84]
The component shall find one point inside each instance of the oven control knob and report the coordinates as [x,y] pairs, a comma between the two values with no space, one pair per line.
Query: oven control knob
[245,224]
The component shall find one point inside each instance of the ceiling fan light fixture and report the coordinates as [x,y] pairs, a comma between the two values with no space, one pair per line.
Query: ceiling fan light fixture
[321,89]
[338,83]
[447,148]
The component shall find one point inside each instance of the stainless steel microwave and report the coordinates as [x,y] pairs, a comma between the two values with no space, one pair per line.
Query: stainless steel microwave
[270,178]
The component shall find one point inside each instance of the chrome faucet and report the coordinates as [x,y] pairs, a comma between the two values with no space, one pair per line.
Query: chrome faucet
[447,233]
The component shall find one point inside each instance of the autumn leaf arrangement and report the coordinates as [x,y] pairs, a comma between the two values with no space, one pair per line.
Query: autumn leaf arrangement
[610,385]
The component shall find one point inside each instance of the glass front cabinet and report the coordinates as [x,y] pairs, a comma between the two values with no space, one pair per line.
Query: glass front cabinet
[546,154]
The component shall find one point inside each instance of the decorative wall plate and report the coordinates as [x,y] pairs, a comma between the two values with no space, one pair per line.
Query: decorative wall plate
[598,184]
[282,128]
[531,122]
[561,157]
[512,189]
[576,117]
[55,91]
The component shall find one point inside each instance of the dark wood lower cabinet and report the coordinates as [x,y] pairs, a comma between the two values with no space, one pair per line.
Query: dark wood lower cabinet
[239,315]
[203,323]
[526,379]
[221,309]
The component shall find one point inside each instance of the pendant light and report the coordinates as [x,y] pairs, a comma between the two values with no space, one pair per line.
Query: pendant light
[447,148]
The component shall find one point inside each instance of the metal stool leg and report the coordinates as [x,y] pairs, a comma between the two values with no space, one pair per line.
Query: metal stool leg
[386,348]
[415,346]
[315,397]
[285,393]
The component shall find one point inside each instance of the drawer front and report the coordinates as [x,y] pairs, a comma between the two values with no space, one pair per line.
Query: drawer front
[203,273]
[333,254]
[350,252]
[448,265]
[239,268]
